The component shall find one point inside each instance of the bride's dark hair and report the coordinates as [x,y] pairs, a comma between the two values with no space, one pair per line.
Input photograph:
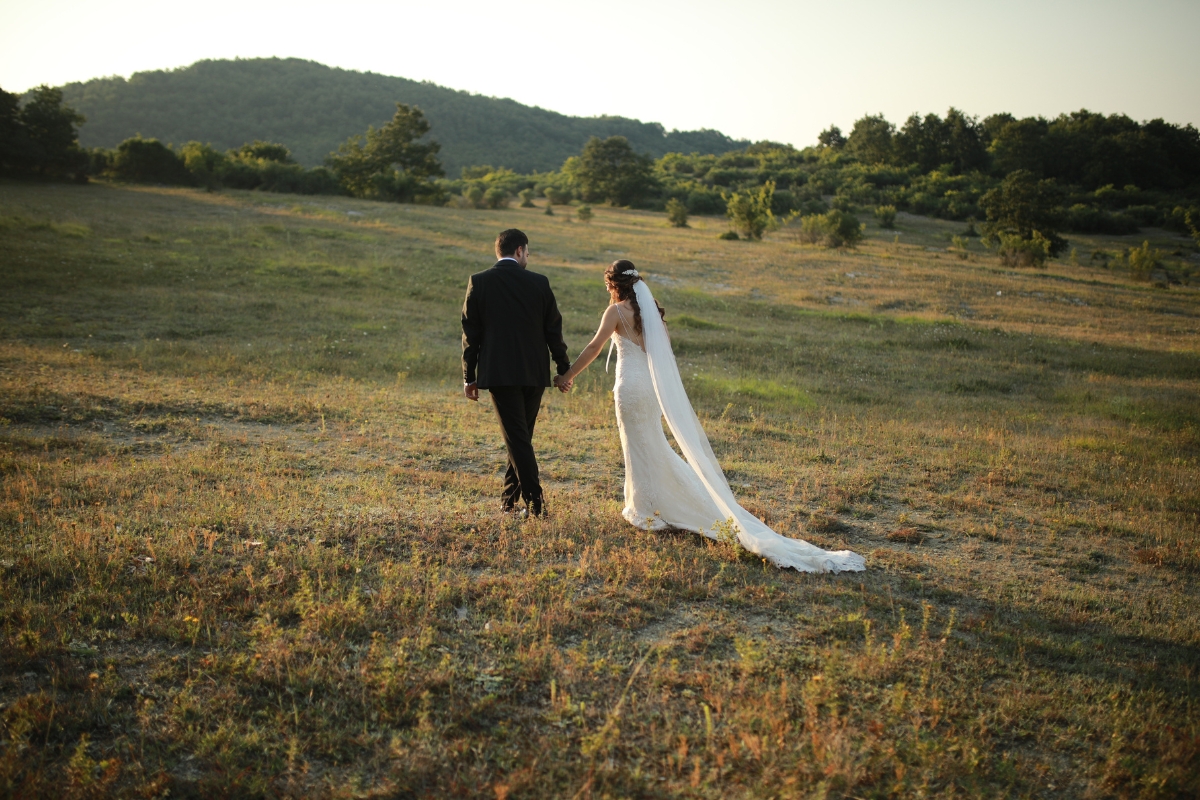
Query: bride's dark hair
[615,277]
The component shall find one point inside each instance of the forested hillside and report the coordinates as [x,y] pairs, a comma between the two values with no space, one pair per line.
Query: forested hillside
[313,108]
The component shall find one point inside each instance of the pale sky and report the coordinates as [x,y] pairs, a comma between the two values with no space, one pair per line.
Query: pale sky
[754,69]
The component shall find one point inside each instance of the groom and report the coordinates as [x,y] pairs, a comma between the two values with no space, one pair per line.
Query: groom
[509,319]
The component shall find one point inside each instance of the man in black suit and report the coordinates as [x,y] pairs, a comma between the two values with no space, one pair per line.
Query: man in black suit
[509,320]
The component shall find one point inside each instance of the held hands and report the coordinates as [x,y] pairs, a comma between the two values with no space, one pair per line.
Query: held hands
[563,383]
[471,391]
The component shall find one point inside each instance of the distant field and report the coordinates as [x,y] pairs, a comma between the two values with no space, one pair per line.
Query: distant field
[249,540]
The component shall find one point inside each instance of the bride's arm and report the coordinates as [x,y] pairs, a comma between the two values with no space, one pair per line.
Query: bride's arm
[608,324]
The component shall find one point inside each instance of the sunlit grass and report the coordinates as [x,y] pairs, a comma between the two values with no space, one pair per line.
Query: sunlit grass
[249,540]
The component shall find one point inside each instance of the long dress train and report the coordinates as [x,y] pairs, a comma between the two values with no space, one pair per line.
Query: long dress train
[663,490]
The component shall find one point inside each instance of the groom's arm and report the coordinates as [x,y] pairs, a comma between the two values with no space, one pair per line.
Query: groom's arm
[552,327]
[472,334]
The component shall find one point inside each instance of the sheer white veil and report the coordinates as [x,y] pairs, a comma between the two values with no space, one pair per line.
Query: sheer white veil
[752,533]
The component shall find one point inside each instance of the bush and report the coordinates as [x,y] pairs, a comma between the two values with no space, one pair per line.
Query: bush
[886,216]
[960,246]
[677,213]
[557,196]
[496,198]
[1145,215]
[1082,218]
[526,196]
[205,162]
[149,161]
[584,213]
[750,211]
[730,236]
[834,229]
[705,201]
[474,196]
[1016,251]
[1143,261]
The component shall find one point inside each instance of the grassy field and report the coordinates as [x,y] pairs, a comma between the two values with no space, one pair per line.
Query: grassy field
[250,541]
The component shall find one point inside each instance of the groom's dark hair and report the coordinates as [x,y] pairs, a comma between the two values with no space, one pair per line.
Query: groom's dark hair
[508,241]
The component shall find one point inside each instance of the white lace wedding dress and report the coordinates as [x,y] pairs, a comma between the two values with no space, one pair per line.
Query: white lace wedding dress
[663,490]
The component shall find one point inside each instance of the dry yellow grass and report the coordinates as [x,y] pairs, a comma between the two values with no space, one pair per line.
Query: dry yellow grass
[249,540]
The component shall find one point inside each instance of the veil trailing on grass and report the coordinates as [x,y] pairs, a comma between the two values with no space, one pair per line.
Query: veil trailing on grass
[752,533]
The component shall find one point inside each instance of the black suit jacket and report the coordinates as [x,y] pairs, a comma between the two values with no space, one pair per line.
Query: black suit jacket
[509,319]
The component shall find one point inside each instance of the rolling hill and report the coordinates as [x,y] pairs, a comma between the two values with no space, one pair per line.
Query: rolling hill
[312,108]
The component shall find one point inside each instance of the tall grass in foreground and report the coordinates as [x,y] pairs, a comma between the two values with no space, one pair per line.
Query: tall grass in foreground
[249,543]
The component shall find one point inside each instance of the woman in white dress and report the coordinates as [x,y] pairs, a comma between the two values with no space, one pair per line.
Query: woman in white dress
[661,489]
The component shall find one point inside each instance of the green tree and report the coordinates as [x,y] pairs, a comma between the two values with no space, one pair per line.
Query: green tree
[886,216]
[832,137]
[16,150]
[526,196]
[677,213]
[610,171]
[50,145]
[750,210]
[584,213]
[389,163]
[1023,209]
[871,140]
[1020,144]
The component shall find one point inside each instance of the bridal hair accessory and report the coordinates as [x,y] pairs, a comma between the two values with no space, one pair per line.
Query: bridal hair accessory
[632,272]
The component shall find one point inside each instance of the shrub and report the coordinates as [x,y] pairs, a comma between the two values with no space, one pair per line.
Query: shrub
[1145,215]
[1143,261]
[960,246]
[705,201]
[834,229]
[886,216]
[526,196]
[750,211]
[677,213]
[149,161]
[474,196]
[496,197]
[259,150]
[1088,219]
[557,196]
[205,162]
[584,213]
[1016,251]
[731,236]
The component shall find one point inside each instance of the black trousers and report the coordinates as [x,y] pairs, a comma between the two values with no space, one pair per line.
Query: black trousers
[517,407]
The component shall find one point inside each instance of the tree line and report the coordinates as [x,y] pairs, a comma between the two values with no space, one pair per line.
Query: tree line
[1025,181]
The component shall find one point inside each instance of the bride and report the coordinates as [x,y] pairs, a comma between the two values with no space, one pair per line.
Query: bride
[661,489]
